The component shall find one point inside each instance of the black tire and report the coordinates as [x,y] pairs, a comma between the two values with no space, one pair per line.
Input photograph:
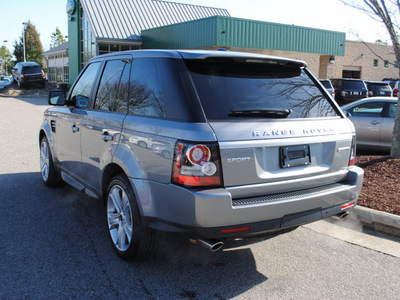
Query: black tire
[50,176]
[142,144]
[128,236]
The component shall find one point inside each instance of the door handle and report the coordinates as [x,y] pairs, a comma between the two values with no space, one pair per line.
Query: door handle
[75,128]
[106,137]
[374,122]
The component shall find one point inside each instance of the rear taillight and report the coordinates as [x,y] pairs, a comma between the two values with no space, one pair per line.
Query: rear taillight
[395,92]
[196,164]
[22,76]
[43,75]
[352,159]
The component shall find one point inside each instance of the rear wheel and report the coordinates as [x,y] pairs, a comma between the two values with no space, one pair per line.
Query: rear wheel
[128,236]
[50,176]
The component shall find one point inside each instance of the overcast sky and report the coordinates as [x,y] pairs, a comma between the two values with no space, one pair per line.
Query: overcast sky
[46,15]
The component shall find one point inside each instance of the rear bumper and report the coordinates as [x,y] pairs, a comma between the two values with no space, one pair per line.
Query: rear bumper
[214,214]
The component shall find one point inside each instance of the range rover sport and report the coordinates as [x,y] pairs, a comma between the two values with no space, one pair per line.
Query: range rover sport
[209,144]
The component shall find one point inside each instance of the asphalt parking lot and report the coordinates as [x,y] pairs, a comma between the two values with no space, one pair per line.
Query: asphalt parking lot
[54,245]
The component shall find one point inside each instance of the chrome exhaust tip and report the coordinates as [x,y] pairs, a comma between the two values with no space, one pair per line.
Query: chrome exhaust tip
[212,245]
[341,215]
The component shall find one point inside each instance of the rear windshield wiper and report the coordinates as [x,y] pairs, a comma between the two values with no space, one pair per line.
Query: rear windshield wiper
[260,113]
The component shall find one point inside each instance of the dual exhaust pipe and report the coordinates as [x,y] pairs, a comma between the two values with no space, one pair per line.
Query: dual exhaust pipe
[212,245]
[341,215]
[215,245]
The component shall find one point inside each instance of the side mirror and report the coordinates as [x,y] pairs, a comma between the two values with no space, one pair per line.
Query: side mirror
[57,98]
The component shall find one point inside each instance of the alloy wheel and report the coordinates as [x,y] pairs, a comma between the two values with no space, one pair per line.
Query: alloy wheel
[119,217]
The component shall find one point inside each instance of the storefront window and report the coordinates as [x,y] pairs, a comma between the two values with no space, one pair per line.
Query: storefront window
[108,48]
[88,43]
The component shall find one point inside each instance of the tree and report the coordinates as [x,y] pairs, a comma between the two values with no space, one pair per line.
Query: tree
[56,38]
[388,13]
[5,56]
[33,45]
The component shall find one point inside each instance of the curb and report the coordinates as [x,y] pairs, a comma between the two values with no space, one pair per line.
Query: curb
[378,221]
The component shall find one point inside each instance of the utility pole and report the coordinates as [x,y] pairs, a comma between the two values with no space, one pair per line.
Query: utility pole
[23,39]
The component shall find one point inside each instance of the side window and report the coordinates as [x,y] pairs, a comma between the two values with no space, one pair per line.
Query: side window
[371,109]
[81,92]
[123,91]
[145,95]
[109,85]
[392,110]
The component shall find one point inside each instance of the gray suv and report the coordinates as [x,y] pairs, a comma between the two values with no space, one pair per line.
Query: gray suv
[212,145]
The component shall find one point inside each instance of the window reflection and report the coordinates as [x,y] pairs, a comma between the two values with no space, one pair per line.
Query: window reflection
[145,95]
[81,92]
[109,85]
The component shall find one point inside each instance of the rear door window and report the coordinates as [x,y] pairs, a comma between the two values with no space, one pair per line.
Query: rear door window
[109,85]
[227,88]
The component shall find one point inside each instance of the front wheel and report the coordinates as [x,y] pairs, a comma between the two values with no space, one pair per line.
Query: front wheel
[50,176]
[128,236]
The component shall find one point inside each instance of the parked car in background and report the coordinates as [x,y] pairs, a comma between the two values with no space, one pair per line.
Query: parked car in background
[328,86]
[379,88]
[373,119]
[349,90]
[214,145]
[26,73]
[394,84]
[5,81]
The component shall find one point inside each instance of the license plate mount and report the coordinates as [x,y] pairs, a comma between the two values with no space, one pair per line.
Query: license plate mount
[294,156]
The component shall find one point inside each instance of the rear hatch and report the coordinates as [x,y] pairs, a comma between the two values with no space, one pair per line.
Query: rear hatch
[274,123]
[354,89]
[32,72]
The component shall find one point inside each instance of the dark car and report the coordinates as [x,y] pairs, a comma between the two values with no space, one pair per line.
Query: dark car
[25,73]
[349,90]
[379,88]
[328,86]
[394,84]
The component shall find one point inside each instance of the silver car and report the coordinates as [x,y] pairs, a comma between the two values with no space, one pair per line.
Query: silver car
[212,145]
[373,119]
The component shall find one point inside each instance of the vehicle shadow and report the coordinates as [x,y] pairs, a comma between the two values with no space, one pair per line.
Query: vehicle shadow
[67,237]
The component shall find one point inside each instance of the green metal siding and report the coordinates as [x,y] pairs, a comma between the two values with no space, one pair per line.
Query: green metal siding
[191,34]
[233,32]
[74,45]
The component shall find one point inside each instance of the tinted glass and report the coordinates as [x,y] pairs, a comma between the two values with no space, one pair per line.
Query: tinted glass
[109,85]
[81,92]
[378,87]
[31,70]
[326,84]
[392,110]
[226,86]
[354,85]
[159,88]
[121,99]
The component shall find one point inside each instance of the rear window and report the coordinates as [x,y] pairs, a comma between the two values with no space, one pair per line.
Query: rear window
[378,87]
[354,85]
[326,84]
[31,70]
[226,87]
